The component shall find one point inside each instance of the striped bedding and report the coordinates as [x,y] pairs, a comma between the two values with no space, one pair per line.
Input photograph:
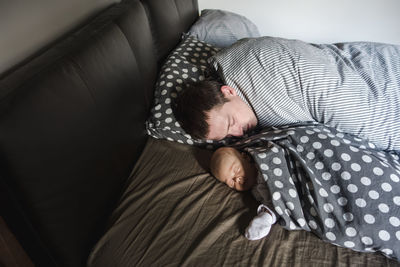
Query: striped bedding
[354,87]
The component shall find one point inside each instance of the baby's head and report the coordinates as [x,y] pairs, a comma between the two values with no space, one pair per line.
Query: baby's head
[231,167]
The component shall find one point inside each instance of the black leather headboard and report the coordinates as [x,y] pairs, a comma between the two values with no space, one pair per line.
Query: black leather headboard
[72,125]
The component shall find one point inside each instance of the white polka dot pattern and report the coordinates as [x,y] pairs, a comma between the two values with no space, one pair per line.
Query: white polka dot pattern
[188,62]
[339,188]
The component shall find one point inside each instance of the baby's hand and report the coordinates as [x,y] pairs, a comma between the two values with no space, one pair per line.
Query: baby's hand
[260,226]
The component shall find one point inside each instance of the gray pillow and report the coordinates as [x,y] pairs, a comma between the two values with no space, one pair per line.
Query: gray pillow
[186,63]
[222,28]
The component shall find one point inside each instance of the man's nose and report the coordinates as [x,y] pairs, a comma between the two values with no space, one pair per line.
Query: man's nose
[237,131]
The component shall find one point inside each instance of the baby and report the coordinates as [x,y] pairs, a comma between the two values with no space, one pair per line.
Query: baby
[237,171]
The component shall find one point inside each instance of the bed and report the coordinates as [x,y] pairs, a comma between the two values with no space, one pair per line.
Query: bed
[191,219]
[95,170]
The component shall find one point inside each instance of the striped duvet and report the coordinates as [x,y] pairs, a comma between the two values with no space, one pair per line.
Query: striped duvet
[354,87]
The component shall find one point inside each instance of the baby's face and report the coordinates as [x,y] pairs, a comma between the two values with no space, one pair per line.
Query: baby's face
[233,169]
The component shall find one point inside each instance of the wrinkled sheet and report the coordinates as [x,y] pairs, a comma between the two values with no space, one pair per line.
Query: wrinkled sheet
[173,213]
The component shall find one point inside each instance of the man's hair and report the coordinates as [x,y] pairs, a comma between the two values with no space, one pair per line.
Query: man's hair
[192,104]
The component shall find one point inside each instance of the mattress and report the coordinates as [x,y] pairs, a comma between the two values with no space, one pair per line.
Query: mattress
[174,213]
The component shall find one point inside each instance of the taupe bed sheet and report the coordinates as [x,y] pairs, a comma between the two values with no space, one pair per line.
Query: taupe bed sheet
[173,213]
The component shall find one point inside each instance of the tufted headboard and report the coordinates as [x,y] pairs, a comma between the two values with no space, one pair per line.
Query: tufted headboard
[72,113]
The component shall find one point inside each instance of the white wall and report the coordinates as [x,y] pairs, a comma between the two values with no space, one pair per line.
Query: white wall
[320,21]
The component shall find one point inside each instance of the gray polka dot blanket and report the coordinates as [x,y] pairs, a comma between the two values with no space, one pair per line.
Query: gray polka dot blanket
[333,184]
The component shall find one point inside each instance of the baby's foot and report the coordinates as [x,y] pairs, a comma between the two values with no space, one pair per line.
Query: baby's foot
[260,226]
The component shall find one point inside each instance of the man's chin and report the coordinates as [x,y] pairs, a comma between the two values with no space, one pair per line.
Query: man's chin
[249,129]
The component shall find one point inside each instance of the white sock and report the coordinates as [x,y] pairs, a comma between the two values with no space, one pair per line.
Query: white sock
[260,226]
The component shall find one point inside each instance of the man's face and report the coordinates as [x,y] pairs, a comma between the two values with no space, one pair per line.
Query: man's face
[233,118]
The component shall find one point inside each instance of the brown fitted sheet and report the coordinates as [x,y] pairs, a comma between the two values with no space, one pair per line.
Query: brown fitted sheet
[173,213]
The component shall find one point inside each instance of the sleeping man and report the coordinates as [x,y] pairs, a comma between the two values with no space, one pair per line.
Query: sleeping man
[315,178]
[354,87]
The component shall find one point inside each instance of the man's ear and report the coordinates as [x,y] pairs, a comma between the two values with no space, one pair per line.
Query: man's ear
[228,91]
